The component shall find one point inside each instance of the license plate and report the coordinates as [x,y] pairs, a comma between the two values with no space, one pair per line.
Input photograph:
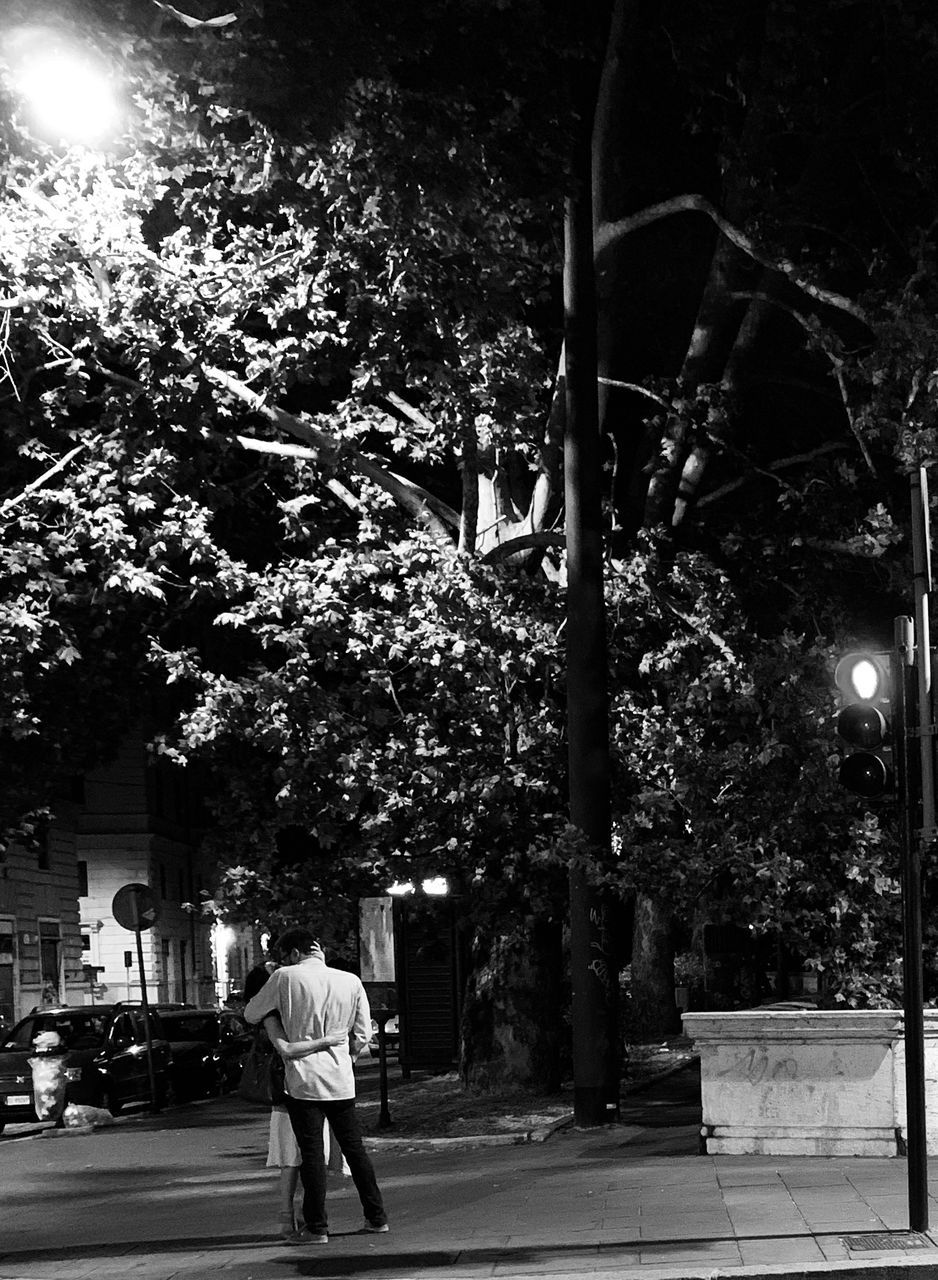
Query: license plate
[18,1100]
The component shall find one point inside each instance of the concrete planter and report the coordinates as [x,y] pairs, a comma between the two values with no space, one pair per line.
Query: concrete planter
[808,1082]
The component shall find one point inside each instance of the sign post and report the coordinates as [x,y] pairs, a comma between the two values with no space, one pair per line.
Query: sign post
[135,908]
[382,997]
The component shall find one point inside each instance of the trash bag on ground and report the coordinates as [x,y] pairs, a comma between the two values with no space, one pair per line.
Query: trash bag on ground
[77,1116]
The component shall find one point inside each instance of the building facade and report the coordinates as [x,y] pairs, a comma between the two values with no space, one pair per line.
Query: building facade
[40,936]
[139,823]
[133,821]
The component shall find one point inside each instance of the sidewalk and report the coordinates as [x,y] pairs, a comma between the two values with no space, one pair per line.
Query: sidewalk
[632,1200]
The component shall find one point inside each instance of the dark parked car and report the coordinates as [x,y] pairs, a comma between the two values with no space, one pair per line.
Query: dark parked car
[209,1047]
[105,1059]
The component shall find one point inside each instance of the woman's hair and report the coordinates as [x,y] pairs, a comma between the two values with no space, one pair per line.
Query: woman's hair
[255,980]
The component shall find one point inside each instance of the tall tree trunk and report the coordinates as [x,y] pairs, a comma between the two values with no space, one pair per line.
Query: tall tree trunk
[654,1015]
[512,1015]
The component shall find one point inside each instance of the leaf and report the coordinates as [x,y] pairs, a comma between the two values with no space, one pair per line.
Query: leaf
[223,21]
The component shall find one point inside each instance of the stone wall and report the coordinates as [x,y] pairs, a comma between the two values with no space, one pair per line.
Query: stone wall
[808,1082]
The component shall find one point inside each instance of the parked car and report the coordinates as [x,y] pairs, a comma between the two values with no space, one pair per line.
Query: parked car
[209,1047]
[105,1059]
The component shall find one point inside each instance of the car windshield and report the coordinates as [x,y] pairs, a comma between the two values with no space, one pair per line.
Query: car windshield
[191,1026]
[75,1030]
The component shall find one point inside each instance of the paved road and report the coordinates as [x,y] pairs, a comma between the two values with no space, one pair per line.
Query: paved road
[186,1196]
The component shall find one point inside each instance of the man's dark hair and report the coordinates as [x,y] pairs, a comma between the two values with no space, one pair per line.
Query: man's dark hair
[303,939]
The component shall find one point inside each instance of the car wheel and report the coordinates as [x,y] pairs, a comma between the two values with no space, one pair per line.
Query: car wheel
[2,1125]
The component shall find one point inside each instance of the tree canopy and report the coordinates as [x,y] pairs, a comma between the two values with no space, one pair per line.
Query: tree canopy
[282,436]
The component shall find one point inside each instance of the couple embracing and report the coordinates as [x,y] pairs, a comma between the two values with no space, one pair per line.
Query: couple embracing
[324,1024]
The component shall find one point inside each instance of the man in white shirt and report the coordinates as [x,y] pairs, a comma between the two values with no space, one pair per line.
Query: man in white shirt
[314,1001]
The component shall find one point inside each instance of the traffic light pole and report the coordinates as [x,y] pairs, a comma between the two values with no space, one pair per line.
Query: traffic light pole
[905,722]
[916,798]
[905,691]
[921,581]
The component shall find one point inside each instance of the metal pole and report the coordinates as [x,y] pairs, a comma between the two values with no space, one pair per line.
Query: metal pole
[593,975]
[384,1112]
[154,1098]
[921,580]
[920,696]
[904,686]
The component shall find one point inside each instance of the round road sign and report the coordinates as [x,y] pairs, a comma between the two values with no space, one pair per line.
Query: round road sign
[135,907]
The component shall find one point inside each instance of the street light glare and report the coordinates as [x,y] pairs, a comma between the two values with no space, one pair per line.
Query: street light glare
[65,90]
[68,99]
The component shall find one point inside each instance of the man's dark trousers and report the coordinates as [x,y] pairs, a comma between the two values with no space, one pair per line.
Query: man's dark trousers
[306,1117]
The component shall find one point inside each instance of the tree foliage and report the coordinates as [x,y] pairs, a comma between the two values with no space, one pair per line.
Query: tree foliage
[282,450]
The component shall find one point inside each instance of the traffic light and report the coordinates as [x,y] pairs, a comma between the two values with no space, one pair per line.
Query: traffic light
[864,681]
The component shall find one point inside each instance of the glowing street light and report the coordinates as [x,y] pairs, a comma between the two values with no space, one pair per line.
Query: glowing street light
[66,91]
[434,887]
[401,888]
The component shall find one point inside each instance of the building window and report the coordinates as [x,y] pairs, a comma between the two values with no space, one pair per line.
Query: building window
[50,960]
[7,969]
[166,985]
[182,969]
[82,879]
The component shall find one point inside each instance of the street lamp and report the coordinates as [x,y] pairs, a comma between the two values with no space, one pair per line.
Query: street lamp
[67,94]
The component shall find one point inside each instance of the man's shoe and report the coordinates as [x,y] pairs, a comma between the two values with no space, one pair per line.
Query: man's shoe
[376,1227]
[305,1236]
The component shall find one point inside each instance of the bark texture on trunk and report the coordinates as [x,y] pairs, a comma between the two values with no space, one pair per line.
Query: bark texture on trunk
[653,1014]
[513,1012]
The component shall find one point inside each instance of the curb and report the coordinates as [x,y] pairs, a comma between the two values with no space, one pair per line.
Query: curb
[541,1134]
[548,1130]
[470,1140]
[447,1144]
[894,1267]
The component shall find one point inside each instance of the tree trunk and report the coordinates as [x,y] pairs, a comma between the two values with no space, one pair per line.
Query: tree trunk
[513,1012]
[653,1015]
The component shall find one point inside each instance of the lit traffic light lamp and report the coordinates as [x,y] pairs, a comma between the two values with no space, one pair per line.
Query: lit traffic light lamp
[864,683]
